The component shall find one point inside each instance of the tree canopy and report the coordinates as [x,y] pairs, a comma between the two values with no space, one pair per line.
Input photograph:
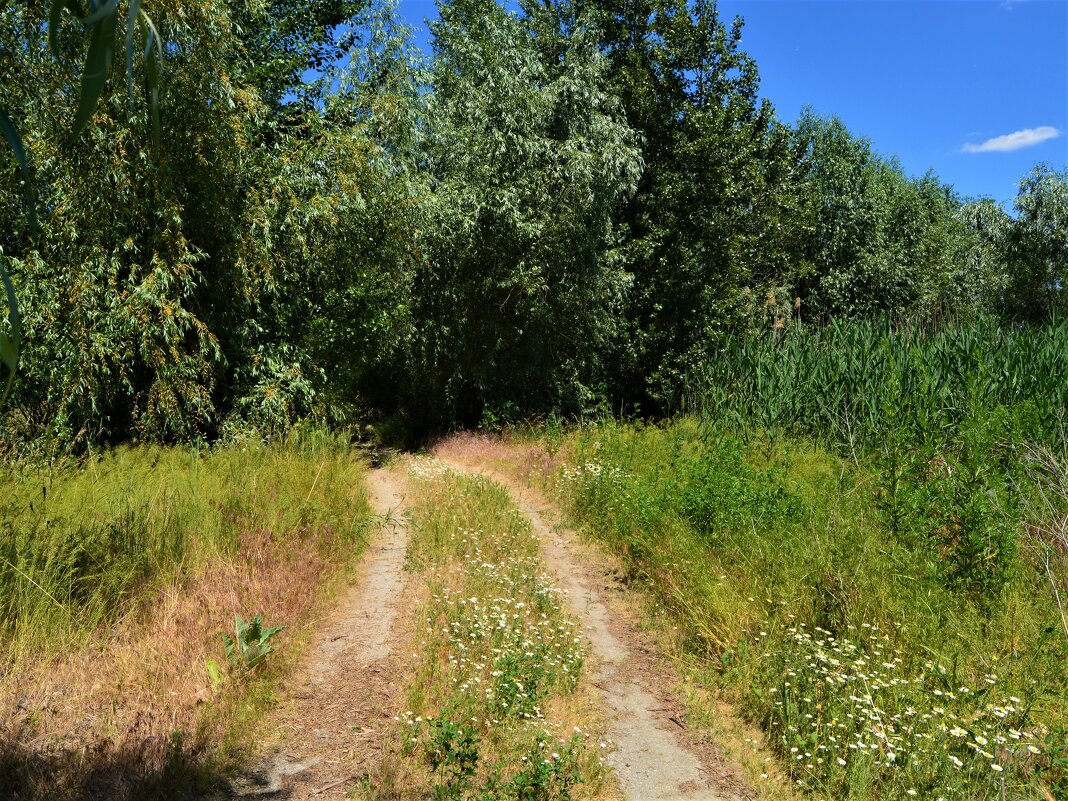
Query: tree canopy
[564,206]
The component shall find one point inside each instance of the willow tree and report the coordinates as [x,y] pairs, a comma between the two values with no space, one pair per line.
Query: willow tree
[528,156]
[177,280]
[1037,247]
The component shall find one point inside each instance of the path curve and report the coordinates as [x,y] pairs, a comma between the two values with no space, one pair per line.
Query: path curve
[650,760]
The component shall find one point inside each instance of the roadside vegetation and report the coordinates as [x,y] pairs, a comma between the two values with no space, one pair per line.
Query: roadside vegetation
[863,539]
[495,705]
[847,478]
[120,575]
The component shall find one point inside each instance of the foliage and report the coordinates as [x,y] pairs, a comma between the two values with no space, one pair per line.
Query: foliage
[715,192]
[101,22]
[1038,250]
[944,411]
[211,299]
[981,278]
[570,205]
[870,660]
[250,644]
[871,239]
[855,385]
[529,155]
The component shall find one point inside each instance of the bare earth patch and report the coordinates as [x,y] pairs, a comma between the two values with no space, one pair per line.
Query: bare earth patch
[655,759]
[330,732]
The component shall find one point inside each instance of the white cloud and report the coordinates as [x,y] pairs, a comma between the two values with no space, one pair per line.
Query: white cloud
[1014,141]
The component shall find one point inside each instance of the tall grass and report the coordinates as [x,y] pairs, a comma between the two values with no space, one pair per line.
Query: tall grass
[81,542]
[873,672]
[118,576]
[851,382]
[946,415]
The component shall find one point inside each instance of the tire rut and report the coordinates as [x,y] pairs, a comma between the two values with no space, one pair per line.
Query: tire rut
[341,705]
[650,760]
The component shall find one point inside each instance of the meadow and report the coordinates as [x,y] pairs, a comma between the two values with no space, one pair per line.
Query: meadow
[862,534]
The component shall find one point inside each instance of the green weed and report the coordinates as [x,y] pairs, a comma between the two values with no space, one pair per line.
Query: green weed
[250,644]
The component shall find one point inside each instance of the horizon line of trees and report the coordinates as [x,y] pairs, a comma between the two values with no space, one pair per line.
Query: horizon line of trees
[564,206]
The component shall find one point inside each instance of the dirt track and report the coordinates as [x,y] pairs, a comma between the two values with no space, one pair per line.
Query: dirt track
[337,719]
[333,727]
[653,759]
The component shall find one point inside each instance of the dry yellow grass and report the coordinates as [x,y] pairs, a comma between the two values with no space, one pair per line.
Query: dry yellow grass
[128,704]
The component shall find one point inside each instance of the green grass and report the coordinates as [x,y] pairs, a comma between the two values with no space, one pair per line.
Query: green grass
[81,542]
[494,706]
[780,563]
[854,383]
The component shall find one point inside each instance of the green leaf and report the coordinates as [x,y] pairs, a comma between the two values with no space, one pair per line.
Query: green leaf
[152,38]
[270,633]
[252,632]
[97,16]
[133,23]
[229,647]
[11,135]
[55,14]
[97,66]
[152,71]
[10,341]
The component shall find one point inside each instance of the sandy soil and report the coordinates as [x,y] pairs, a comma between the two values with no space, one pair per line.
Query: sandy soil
[654,758]
[332,728]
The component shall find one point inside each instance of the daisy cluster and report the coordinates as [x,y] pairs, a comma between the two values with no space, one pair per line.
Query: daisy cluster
[428,468]
[593,485]
[847,711]
[496,646]
[594,471]
[507,651]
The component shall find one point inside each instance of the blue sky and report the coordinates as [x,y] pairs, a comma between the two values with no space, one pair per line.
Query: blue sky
[975,89]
